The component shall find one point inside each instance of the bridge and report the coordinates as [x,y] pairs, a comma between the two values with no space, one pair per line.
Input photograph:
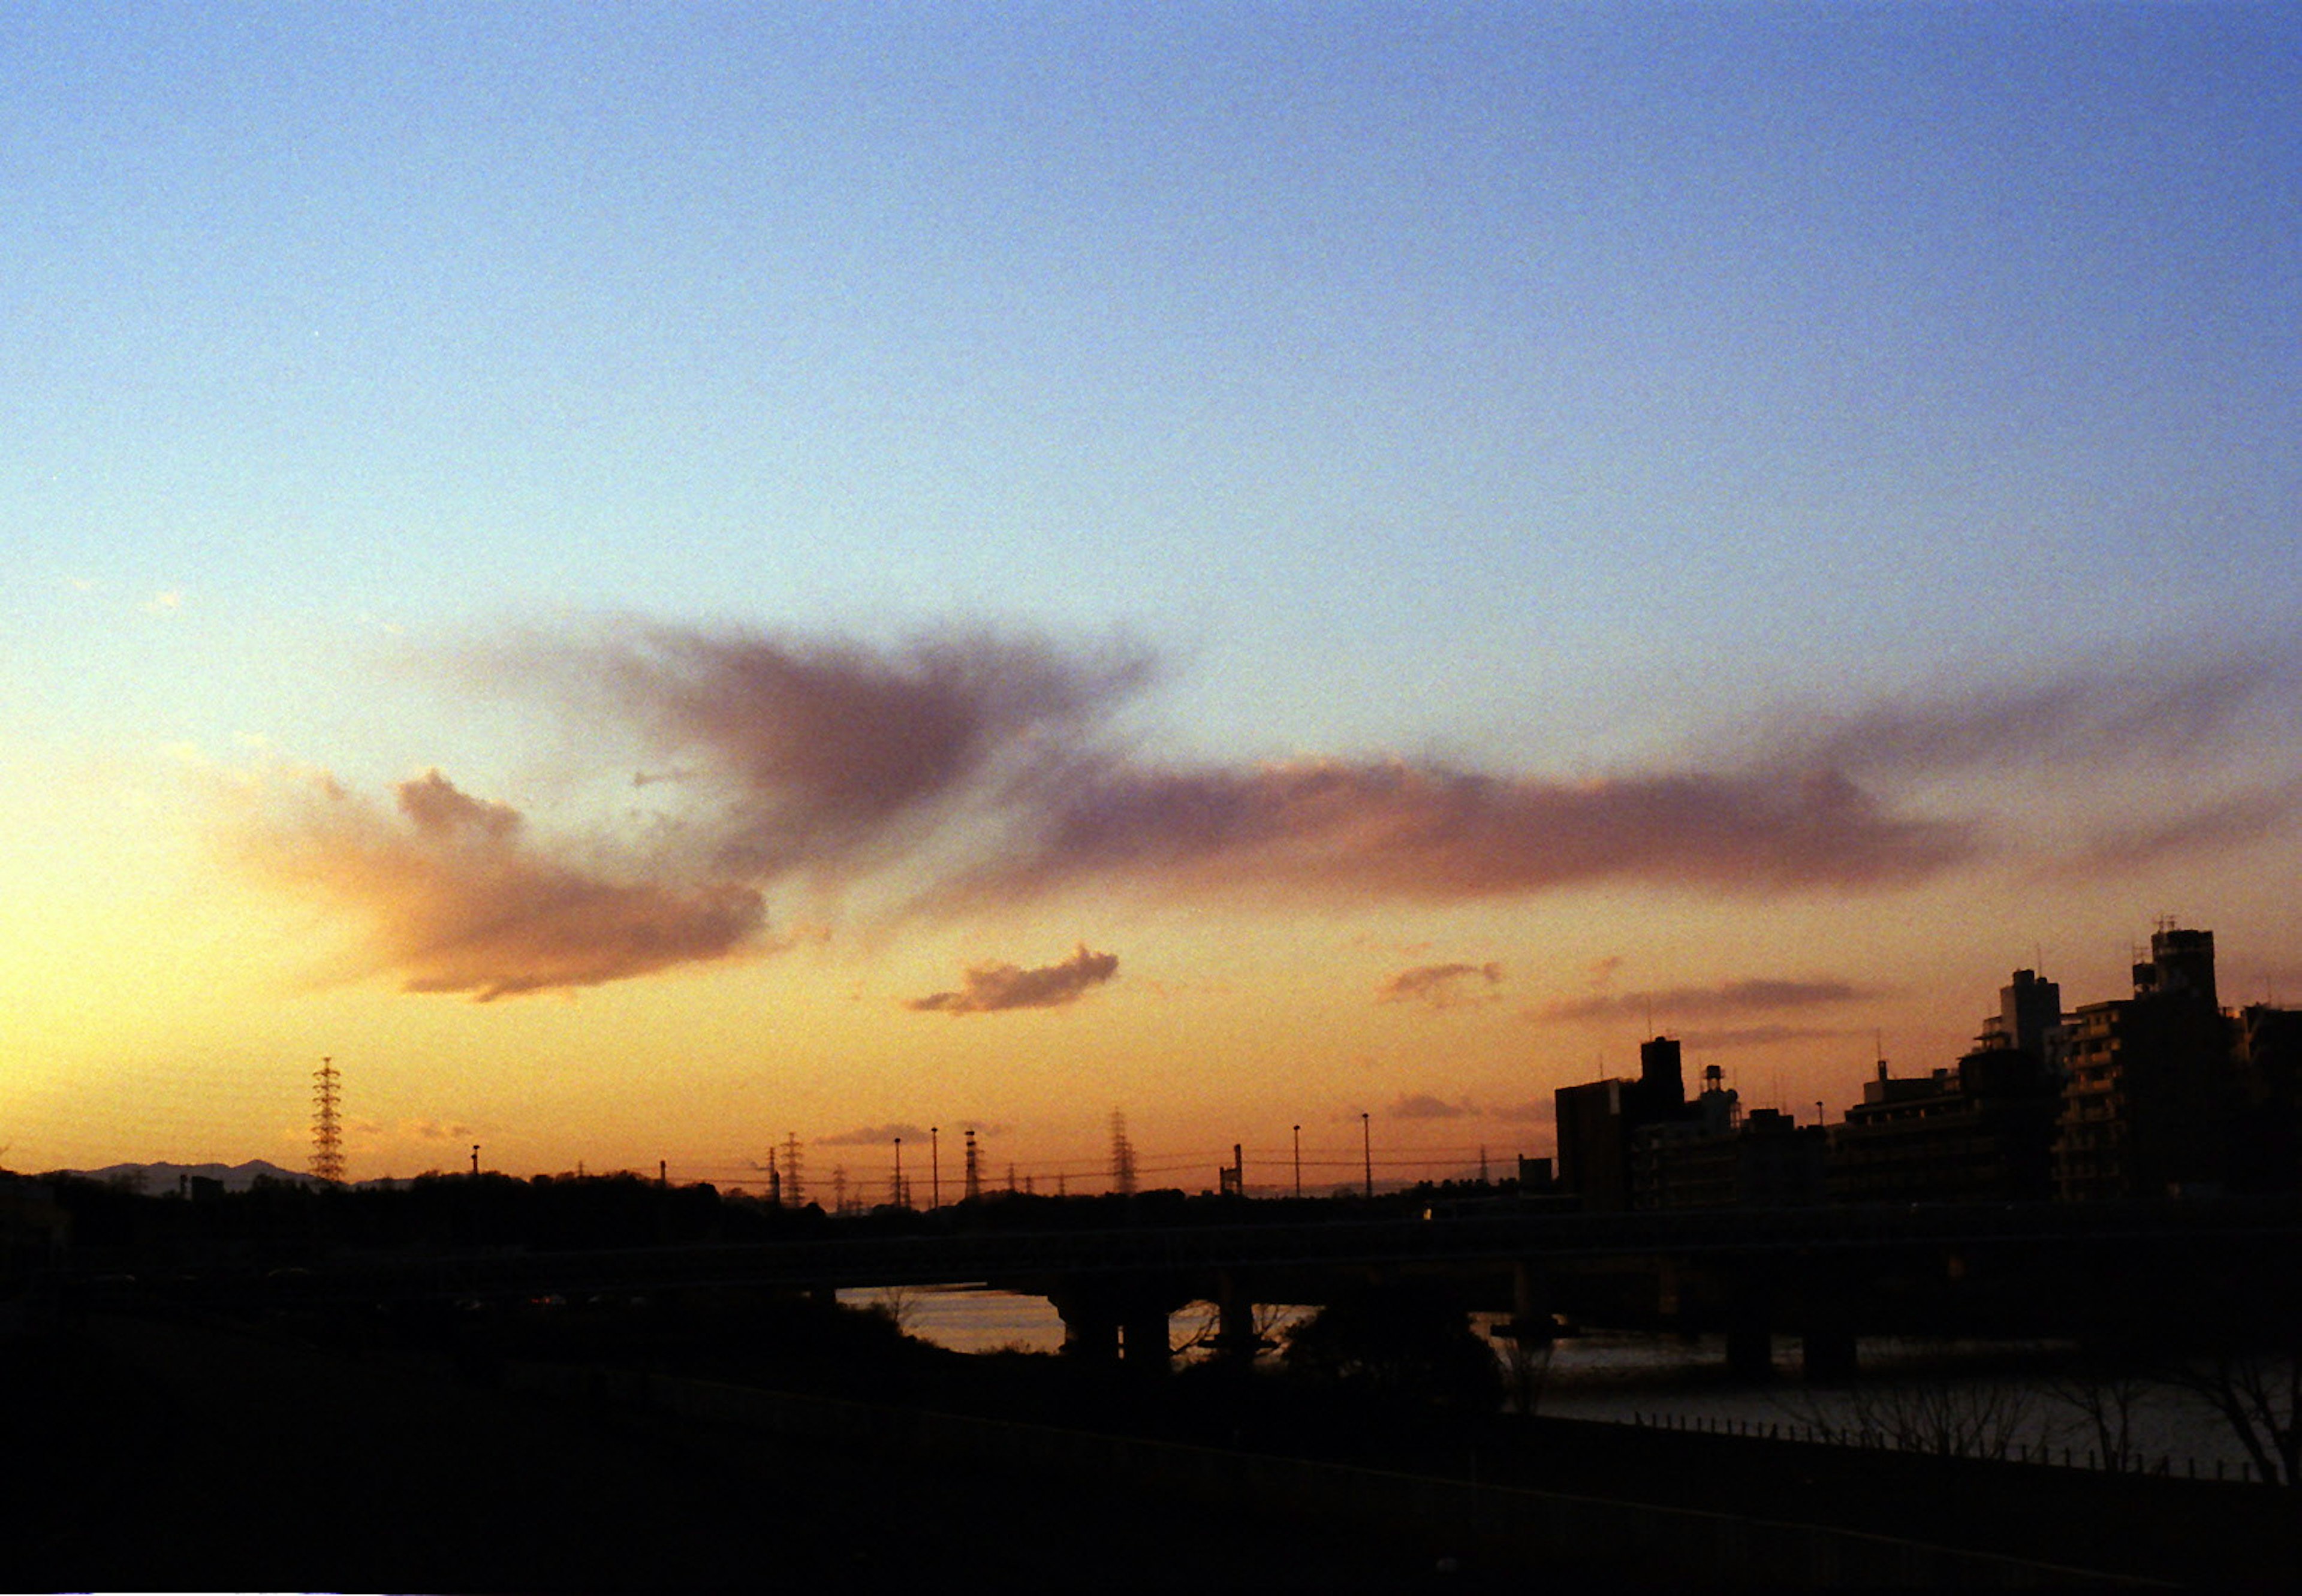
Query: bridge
[1825,1274]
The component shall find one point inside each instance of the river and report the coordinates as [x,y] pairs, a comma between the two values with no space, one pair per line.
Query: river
[1988,1393]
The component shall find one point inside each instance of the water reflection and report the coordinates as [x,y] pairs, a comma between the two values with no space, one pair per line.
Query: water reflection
[2003,1392]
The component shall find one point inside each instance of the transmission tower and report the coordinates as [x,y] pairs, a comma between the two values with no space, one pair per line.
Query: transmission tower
[974,1169]
[327,1127]
[794,1187]
[1123,1156]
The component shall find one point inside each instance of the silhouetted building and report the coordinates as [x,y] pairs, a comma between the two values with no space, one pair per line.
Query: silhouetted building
[2029,1019]
[1596,1121]
[1714,1156]
[2267,1154]
[1983,1131]
[2148,1103]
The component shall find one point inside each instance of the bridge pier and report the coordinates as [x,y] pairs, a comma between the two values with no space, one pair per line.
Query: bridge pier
[1750,1348]
[1237,1339]
[1090,1327]
[1530,1319]
[1827,1348]
[1108,1323]
[1750,1328]
[1143,1335]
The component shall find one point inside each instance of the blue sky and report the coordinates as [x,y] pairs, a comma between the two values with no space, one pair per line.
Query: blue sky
[1556,390]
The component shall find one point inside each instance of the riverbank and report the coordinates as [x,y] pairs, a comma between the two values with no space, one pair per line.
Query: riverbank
[173,1454]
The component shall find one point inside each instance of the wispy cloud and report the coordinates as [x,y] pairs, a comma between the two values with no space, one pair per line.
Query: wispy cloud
[874,1135]
[1423,1105]
[1439,986]
[968,771]
[1758,994]
[2204,828]
[1330,829]
[990,988]
[2071,719]
[455,899]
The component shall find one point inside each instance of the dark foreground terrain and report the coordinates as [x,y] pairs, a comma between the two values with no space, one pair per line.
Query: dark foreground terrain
[165,1451]
[164,1455]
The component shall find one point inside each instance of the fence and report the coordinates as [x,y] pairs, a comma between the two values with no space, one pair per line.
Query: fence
[2045,1454]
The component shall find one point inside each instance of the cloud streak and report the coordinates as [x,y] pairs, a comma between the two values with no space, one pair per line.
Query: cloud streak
[1439,986]
[994,989]
[970,772]
[1423,1105]
[874,1135]
[1753,995]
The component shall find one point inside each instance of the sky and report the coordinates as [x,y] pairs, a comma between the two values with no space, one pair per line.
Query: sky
[657,582]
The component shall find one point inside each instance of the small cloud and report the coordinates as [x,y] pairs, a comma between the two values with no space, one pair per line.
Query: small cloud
[873,1136]
[990,989]
[1423,1105]
[1754,996]
[164,603]
[1439,986]
[437,1130]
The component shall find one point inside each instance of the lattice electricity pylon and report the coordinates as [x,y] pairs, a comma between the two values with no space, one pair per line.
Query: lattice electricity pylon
[327,1127]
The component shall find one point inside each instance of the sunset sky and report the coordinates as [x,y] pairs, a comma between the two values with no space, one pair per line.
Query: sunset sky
[650,579]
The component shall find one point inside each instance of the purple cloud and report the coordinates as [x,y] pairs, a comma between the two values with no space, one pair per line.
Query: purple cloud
[1439,986]
[990,988]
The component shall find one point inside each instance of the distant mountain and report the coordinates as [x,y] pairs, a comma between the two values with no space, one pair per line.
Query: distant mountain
[157,1179]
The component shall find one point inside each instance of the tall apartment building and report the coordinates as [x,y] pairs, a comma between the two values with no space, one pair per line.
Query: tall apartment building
[2150,1094]
[1983,1131]
[1597,1119]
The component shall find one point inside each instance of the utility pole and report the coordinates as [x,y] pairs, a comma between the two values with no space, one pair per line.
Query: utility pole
[1299,1161]
[935,1166]
[895,1191]
[1366,1151]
